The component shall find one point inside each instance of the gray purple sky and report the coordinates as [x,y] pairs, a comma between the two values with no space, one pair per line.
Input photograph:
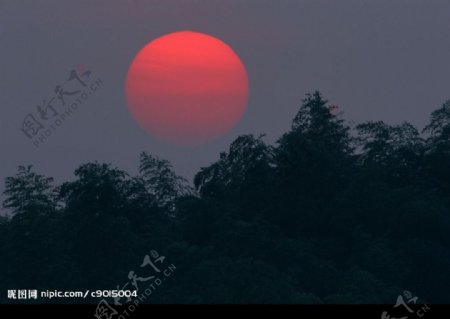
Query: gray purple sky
[378,60]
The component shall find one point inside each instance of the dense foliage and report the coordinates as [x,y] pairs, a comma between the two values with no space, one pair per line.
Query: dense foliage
[329,214]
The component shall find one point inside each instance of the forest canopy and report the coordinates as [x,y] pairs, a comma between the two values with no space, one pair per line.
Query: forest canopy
[329,214]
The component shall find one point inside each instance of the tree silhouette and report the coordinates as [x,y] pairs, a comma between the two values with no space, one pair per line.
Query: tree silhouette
[28,191]
[322,216]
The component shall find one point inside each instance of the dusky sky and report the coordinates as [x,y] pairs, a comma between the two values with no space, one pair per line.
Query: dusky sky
[378,60]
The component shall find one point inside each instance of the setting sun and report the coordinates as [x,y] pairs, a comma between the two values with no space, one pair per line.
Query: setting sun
[187,88]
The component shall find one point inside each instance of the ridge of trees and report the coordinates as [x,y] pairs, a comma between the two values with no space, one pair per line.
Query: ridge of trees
[322,216]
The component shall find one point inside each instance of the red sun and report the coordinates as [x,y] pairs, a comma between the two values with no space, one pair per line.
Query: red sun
[187,88]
